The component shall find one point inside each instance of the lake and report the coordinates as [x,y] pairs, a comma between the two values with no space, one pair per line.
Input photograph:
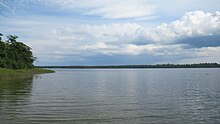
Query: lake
[117,96]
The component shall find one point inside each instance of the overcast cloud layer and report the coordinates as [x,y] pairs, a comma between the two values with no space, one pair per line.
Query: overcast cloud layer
[98,32]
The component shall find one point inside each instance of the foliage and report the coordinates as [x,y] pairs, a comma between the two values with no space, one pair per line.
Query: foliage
[14,54]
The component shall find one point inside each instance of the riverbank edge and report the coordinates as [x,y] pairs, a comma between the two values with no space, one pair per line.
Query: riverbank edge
[22,73]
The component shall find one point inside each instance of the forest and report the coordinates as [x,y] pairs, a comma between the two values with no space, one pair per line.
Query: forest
[15,54]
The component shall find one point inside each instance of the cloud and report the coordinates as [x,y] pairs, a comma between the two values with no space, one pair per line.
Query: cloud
[132,9]
[191,25]
[201,41]
[57,41]
[108,9]
[135,10]
[134,40]
[123,9]
[76,31]
[196,23]
[205,54]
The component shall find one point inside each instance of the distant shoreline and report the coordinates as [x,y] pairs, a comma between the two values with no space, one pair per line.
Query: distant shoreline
[201,65]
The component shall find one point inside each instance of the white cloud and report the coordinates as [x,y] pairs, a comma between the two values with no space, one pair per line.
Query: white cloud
[57,40]
[191,24]
[76,28]
[196,23]
[207,51]
[123,9]
[109,9]
[137,9]
[134,39]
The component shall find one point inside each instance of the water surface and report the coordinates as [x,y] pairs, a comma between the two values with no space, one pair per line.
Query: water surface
[126,96]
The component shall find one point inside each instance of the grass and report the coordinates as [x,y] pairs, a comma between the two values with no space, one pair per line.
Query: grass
[21,73]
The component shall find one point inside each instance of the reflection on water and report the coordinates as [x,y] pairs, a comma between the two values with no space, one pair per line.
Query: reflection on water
[14,95]
[113,96]
[17,89]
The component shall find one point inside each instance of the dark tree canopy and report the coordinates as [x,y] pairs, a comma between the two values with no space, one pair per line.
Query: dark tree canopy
[1,36]
[14,54]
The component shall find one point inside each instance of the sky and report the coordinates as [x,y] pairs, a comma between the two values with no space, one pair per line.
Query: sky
[115,32]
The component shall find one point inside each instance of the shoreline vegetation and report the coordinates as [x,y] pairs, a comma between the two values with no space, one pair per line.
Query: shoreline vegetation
[16,59]
[200,65]
[21,73]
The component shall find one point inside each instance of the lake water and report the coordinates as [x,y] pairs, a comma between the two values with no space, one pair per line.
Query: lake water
[117,96]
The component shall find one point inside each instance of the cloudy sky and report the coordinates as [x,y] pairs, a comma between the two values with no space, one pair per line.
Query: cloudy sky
[109,32]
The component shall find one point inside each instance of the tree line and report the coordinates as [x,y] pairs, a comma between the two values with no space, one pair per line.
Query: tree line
[14,54]
[198,65]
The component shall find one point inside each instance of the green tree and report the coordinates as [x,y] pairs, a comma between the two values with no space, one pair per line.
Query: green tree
[14,54]
[12,38]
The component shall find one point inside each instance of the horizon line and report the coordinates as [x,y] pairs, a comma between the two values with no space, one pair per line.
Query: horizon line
[168,65]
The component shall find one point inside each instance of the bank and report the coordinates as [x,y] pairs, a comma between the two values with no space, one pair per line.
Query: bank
[22,73]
